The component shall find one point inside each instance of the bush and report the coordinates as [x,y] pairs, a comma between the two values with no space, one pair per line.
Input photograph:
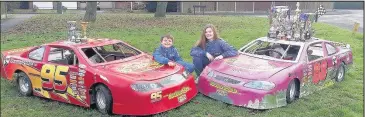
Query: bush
[35,8]
[139,5]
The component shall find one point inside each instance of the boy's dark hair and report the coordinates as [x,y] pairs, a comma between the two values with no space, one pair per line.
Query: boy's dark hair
[169,36]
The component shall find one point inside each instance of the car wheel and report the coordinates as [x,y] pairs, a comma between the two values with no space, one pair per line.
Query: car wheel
[103,99]
[341,73]
[291,92]
[24,84]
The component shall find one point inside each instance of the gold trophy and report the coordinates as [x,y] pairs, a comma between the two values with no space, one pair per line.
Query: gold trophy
[84,26]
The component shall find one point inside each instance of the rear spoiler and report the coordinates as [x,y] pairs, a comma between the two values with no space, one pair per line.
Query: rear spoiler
[16,51]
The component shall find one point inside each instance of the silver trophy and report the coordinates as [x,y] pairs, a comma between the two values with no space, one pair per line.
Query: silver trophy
[71,30]
[299,28]
[280,22]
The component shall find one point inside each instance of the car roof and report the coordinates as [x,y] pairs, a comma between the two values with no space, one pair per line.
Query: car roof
[90,42]
[290,42]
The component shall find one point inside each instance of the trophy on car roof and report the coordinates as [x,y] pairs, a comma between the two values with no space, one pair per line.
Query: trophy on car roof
[73,34]
[296,28]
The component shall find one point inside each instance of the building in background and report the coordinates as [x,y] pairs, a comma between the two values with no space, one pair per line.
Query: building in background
[249,7]
[186,7]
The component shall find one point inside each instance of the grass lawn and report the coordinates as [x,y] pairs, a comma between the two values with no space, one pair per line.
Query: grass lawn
[143,31]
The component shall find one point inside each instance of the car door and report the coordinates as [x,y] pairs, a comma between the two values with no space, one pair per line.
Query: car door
[57,73]
[332,59]
[36,55]
[317,62]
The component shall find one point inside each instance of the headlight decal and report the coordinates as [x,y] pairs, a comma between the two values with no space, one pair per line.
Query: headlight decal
[262,85]
[145,87]
[173,79]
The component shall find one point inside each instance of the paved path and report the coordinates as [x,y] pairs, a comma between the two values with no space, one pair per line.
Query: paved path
[341,18]
[345,20]
[15,19]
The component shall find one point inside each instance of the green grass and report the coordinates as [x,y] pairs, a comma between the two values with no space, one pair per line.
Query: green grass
[343,99]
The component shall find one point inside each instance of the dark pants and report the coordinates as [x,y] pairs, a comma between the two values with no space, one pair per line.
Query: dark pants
[188,66]
[200,63]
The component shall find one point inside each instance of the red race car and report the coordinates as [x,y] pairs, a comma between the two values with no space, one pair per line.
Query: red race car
[115,76]
[271,73]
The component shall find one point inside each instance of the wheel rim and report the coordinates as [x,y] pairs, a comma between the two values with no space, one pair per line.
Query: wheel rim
[100,98]
[292,91]
[340,74]
[23,84]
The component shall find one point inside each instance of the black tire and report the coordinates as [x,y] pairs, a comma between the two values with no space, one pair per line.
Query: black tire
[104,106]
[291,94]
[24,84]
[340,75]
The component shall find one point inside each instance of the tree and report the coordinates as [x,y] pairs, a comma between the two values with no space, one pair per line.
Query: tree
[161,9]
[59,8]
[90,14]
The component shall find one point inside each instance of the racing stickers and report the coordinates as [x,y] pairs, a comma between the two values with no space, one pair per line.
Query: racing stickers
[179,94]
[53,84]
[139,66]
[54,78]
[320,71]
[223,88]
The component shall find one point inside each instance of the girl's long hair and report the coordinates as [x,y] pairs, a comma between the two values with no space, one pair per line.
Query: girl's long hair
[202,41]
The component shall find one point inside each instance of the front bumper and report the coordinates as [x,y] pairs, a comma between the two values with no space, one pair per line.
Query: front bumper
[171,97]
[238,95]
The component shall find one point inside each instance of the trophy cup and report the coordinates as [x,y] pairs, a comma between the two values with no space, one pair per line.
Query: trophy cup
[71,30]
[78,36]
[84,26]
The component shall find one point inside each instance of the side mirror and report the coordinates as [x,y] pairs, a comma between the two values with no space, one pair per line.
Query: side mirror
[348,46]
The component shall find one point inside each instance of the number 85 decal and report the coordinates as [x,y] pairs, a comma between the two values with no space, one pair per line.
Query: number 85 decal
[54,78]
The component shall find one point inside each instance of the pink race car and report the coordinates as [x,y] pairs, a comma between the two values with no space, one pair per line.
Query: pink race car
[271,73]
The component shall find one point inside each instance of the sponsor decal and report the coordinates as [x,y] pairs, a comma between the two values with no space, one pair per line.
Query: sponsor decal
[21,62]
[73,83]
[104,78]
[82,66]
[224,88]
[54,78]
[140,66]
[320,71]
[6,60]
[178,93]
[156,96]
[334,60]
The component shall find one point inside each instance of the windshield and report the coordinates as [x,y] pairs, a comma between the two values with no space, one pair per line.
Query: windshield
[108,53]
[278,51]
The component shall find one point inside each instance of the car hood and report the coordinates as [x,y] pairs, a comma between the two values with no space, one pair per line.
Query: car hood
[248,67]
[142,68]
